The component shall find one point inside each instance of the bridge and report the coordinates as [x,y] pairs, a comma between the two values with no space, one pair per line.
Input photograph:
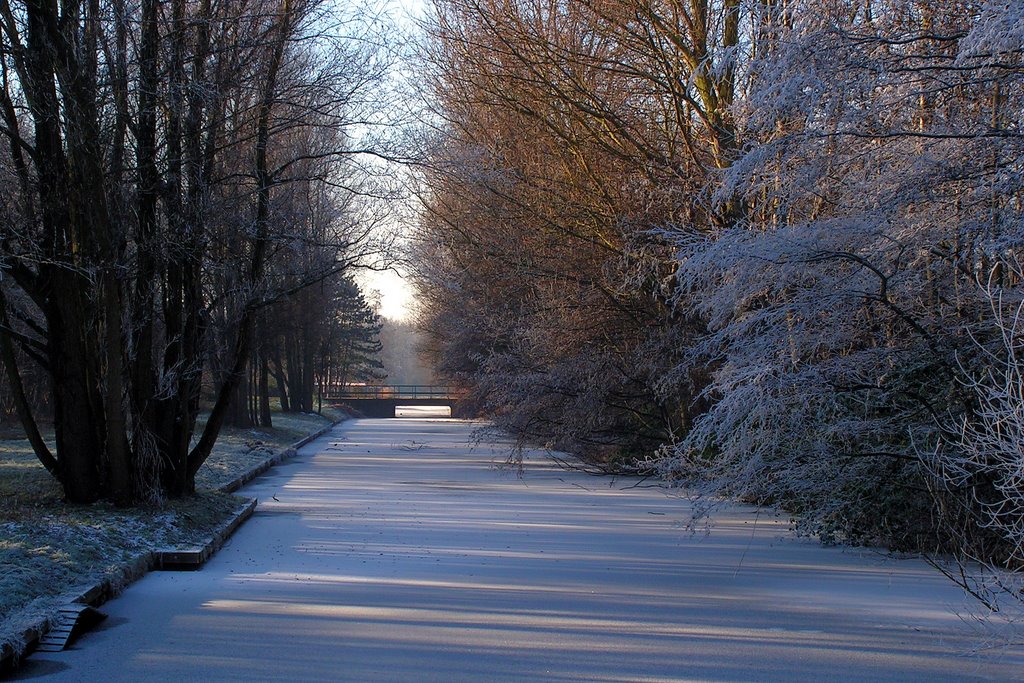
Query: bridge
[381,400]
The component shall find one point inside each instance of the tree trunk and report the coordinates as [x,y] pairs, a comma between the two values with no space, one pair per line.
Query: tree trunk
[264,393]
[281,379]
[243,344]
[21,405]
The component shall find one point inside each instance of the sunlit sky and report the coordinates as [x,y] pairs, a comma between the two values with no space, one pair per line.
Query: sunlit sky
[390,288]
[393,291]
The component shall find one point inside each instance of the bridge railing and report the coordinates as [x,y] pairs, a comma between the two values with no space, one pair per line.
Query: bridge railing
[354,392]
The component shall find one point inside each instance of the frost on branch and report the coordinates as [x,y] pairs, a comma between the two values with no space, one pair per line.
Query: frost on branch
[983,457]
[811,409]
[881,175]
[997,33]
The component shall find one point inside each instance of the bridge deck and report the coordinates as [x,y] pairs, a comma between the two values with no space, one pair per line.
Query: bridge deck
[381,401]
[355,392]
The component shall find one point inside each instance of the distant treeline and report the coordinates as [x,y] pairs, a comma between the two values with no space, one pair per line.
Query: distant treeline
[402,354]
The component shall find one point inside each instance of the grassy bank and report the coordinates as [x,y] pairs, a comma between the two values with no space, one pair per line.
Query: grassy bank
[48,547]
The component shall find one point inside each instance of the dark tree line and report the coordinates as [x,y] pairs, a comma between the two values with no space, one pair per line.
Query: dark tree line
[325,336]
[173,169]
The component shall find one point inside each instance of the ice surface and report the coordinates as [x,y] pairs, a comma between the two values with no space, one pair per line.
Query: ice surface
[391,550]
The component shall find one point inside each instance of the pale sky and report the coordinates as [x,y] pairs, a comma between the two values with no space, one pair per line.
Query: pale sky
[395,293]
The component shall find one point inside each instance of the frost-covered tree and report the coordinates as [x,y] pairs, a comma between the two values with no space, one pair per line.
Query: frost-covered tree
[567,133]
[765,235]
[146,148]
[882,187]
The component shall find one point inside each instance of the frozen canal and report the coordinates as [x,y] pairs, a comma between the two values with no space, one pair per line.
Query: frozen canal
[389,550]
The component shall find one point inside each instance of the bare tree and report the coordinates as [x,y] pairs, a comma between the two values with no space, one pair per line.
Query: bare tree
[126,265]
[569,135]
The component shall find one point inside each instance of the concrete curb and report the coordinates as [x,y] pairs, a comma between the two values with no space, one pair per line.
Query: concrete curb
[196,557]
[275,459]
[166,559]
[92,595]
[97,594]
